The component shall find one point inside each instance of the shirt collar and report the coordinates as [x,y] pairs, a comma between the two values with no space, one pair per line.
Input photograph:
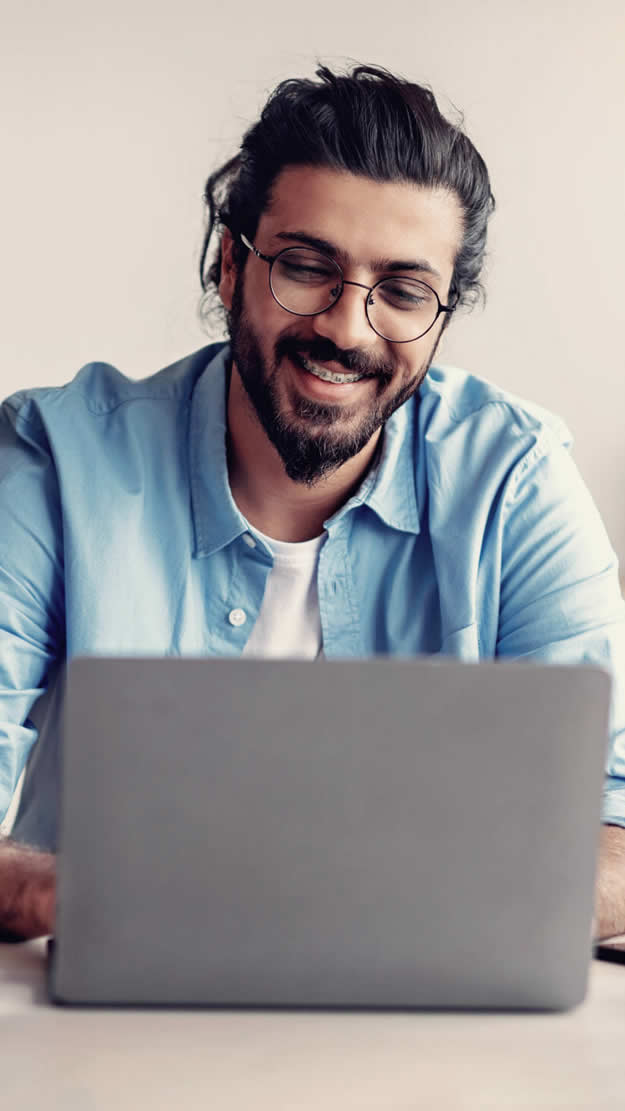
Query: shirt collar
[389,490]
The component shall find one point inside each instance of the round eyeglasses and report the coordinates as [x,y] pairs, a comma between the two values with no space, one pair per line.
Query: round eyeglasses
[307,282]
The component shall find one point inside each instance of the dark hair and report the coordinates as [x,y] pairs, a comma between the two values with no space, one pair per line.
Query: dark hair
[367,122]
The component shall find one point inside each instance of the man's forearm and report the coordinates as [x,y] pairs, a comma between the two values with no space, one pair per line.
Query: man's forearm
[27,892]
[610,889]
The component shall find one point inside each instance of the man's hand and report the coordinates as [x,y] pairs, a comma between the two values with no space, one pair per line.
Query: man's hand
[610,889]
[27,892]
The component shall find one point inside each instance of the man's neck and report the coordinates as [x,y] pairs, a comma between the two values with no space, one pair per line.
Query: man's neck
[266,496]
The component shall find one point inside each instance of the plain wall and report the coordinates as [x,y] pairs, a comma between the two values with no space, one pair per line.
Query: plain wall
[114,115]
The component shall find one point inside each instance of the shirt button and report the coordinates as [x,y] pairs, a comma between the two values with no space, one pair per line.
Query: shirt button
[237,617]
[249,540]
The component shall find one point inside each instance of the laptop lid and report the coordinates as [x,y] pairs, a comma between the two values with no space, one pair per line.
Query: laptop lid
[384,832]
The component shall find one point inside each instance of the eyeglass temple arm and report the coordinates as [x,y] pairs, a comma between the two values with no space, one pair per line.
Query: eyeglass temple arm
[251,247]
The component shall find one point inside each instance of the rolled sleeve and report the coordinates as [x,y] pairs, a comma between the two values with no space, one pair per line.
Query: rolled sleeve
[560,595]
[31,585]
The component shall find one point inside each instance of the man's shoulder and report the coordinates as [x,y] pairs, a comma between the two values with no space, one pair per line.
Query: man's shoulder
[100,387]
[456,400]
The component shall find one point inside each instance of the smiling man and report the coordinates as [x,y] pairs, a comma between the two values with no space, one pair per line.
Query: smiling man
[354,365]
[323,385]
[315,486]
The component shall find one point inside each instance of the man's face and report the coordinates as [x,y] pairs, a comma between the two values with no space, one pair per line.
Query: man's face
[368,226]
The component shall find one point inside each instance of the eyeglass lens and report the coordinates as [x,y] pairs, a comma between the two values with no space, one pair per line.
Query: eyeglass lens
[307,282]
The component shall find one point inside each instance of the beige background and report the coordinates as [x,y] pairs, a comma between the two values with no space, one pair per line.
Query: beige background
[114,115]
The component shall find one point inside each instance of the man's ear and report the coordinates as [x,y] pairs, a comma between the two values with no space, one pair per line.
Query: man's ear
[228,269]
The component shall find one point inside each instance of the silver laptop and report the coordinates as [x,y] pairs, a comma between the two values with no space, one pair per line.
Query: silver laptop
[355,833]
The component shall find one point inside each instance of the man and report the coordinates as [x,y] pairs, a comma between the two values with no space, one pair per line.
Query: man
[317,486]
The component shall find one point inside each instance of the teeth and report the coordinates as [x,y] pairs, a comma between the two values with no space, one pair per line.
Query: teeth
[328,375]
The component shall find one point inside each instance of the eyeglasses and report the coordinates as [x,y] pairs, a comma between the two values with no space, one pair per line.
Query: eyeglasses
[307,282]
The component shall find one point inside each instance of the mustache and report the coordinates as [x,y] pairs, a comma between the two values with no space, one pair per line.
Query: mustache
[325,351]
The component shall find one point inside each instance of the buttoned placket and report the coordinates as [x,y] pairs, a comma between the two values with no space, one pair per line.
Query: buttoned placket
[340,617]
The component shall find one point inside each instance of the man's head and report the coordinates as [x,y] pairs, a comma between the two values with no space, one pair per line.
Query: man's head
[365,167]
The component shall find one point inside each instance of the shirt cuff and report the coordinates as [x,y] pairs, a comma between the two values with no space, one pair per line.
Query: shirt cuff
[613,806]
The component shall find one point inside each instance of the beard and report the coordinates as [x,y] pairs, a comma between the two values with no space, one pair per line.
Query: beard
[313,439]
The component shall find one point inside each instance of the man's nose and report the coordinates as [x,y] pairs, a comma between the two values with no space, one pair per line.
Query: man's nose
[346,322]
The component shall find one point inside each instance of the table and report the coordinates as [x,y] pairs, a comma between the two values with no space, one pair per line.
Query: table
[86,1059]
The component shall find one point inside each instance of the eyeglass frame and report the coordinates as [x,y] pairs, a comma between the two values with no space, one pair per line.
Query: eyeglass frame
[271,259]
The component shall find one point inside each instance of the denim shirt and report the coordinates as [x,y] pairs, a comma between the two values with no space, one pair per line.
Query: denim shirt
[473,536]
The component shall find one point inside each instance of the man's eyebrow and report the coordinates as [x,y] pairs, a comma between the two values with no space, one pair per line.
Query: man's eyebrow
[420,265]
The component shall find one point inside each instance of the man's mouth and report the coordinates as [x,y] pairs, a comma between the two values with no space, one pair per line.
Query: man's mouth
[328,375]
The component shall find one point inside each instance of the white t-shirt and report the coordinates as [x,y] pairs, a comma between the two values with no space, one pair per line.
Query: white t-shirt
[289,623]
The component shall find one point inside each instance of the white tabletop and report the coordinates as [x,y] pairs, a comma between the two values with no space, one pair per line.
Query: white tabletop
[86,1060]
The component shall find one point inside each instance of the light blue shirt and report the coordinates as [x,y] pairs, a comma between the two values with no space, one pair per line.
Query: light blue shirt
[474,536]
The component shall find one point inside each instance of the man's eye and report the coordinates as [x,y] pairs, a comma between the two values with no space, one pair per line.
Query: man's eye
[403,296]
[304,272]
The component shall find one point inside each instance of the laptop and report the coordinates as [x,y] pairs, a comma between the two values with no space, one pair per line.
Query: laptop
[372,833]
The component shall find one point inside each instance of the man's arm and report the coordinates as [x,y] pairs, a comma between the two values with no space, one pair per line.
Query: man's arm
[27,892]
[610,888]
[32,620]
[560,602]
